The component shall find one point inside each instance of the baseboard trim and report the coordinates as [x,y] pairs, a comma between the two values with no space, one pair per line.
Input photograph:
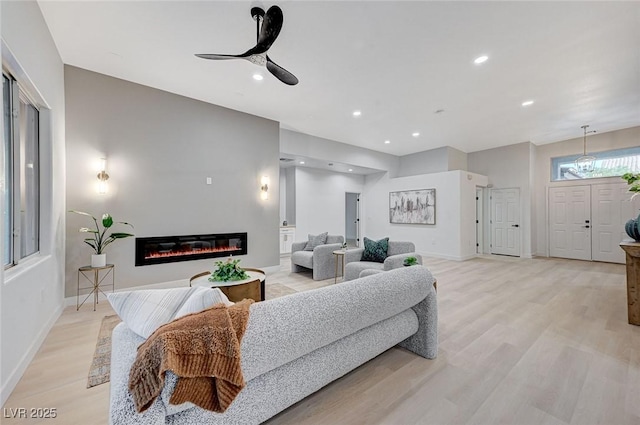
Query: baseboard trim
[28,357]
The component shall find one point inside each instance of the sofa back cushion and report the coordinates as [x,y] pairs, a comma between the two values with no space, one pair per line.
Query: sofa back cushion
[283,329]
[375,251]
[335,239]
[400,247]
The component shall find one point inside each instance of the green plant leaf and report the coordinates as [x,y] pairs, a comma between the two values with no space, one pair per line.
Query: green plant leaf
[120,235]
[107,220]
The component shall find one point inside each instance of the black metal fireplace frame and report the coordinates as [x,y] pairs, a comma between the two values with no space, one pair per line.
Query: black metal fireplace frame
[143,243]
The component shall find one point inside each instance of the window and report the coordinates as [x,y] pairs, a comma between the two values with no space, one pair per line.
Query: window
[608,164]
[21,206]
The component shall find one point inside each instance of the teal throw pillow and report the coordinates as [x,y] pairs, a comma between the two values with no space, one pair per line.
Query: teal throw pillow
[315,241]
[375,250]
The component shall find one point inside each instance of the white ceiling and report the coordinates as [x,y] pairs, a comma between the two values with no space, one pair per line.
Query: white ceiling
[397,62]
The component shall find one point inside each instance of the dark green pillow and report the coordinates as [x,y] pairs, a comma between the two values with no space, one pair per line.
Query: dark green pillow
[375,250]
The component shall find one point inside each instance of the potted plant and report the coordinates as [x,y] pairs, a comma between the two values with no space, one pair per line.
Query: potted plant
[228,270]
[100,240]
[632,227]
[410,261]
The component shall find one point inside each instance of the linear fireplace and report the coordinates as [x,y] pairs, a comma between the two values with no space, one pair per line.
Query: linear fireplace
[168,249]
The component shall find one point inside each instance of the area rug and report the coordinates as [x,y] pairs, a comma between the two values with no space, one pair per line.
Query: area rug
[101,365]
[276,290]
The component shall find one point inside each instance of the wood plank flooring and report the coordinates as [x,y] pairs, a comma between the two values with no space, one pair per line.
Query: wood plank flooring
[522,341]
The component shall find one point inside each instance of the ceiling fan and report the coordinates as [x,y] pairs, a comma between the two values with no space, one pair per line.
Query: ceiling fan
[268,26]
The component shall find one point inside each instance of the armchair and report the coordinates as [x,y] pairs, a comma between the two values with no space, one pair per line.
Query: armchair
[320,260]
[397,252]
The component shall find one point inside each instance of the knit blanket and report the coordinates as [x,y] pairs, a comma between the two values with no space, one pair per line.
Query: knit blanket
[203,350]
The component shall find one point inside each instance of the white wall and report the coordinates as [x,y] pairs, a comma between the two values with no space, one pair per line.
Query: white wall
[507,167]
[32,294]
[283,195]
[453,235]
[320,200]
[431,161]
[598,142]
[290,211]
[294,143]
[160,149]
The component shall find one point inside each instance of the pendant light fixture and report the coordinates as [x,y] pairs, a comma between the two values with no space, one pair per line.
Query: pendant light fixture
[585,163]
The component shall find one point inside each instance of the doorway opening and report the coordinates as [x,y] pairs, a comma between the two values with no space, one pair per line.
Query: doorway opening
[352,219]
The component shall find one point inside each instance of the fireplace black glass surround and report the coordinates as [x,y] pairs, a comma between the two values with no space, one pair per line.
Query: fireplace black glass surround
[169,249]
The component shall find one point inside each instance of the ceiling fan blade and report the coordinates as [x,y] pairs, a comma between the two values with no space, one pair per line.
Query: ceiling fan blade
[271,26]
[221,57]
[280,73]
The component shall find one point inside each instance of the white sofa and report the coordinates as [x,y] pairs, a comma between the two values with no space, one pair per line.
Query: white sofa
[295,345]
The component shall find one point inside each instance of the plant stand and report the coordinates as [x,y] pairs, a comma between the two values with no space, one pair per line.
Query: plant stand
[633,280]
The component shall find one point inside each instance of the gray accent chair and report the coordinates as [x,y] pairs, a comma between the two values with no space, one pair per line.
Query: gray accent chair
[320,260]
[397,252]
[296,344]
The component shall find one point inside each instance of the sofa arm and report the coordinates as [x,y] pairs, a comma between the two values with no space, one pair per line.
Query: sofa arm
[397,261]
[298,246]
[322,252]
[353,254]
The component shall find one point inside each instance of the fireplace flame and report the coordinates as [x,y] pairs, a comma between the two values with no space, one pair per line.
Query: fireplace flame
[185,251]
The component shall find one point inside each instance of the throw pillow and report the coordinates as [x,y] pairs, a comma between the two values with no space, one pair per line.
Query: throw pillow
[146,310]
[315,241]
[375,250]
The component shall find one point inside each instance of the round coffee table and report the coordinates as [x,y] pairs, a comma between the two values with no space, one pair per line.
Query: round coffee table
[237,290]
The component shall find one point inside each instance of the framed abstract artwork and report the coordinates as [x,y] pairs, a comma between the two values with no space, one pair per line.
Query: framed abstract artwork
[413,207]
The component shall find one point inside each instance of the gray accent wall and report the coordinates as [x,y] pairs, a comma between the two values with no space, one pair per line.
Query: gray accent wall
[160,150]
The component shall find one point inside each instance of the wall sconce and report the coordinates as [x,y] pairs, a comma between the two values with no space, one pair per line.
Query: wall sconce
[103,177]
[264,188]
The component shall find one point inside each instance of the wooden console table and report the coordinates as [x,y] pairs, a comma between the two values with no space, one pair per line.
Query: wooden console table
[633,280]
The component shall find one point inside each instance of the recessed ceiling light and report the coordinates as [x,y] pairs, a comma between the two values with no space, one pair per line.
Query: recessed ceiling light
[258,77]
[481,59]
[416,134]
[386,142]
[527,103]
[350,169]
[302,162]
[357,113]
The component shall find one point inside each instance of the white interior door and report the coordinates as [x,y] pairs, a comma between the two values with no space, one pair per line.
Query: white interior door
[570,222]
[611,207]
[505,221]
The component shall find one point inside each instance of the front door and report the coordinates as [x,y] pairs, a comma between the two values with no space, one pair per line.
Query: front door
[611,207]
[505,221]
[570,222]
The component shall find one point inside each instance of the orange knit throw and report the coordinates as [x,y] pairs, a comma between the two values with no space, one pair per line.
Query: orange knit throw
[203,350]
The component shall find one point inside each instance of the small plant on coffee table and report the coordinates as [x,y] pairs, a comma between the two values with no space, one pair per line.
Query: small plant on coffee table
[228,270]
[410,261]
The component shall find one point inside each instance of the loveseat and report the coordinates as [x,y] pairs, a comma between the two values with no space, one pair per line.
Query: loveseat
[297,344]
[396,255]
[320,259]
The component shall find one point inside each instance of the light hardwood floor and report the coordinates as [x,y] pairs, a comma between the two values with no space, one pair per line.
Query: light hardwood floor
[522,341]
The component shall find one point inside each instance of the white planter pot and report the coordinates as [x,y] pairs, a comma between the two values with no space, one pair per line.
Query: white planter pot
[98,260]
